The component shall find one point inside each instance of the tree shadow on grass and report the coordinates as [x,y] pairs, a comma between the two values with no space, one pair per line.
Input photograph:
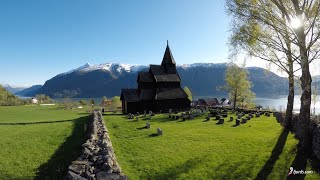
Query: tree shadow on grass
[56,167]
[299,163]
[31,123]
[176,171]
[276,152]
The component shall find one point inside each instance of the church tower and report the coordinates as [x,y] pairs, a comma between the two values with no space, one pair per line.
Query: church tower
[168,64]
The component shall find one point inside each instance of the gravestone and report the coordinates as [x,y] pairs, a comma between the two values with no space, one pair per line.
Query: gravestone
[137,118]
[217,117]
[159,131]
[221,121]
[231,118]
[237,122]
[244,120]
[248,117]
[147,125]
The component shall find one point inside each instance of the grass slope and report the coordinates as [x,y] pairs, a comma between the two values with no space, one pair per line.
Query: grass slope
[39,141]
[196,149]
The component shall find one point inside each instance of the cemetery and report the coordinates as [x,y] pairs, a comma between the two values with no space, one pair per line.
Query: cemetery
[205,143]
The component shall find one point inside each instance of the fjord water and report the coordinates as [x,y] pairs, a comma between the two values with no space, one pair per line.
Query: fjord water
[278,103]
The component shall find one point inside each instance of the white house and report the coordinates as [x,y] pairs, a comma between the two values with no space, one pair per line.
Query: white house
[34,101]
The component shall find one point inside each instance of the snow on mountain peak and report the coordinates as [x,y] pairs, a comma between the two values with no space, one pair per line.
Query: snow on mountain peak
[186,66]
[116,67]
[113,67]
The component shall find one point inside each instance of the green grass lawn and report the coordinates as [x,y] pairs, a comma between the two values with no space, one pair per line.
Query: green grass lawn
[195,149]
[39,141]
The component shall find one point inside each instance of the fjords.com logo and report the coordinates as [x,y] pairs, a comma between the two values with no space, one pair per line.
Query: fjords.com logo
[298,172]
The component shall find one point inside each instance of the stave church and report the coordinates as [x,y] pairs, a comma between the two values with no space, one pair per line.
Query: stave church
[159,89]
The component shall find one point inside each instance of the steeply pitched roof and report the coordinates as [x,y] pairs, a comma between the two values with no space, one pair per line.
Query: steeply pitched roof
[145,77]
[130,95]
[167,57]
[170,93]
[147,95]
[161,76]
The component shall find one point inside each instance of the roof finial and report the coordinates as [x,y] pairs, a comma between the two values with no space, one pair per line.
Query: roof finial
[167,43]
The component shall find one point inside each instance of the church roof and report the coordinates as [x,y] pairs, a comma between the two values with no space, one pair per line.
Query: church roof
[161,76]
[167,57]
[130,95]
[147,95]
[145,77]
[170,93]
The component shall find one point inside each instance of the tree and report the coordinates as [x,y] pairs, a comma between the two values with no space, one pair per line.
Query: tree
[92,102]
[258,34]
[116,102]
[289,29]
[238,84]
[314,96]
[83,102]
[188,92]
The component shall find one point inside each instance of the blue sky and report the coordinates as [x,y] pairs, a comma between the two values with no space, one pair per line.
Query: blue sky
[40,39]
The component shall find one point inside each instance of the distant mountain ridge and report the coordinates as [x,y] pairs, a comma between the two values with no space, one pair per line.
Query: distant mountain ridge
[12,89]
[108,79]
[29,92]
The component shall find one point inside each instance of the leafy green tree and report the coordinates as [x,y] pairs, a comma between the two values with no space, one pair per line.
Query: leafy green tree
[92,102]
[8,99]
[287,29]
[238,85]
[83,102]
[188,92]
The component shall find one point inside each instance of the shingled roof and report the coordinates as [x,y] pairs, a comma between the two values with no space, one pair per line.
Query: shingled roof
[170,93]
[161,76]
[167,57]
[145,77]
[147,95]
[130,95]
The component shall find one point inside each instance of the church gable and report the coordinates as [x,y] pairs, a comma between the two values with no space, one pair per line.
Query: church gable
[158,89]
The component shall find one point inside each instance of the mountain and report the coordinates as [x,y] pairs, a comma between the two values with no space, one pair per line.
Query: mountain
[12,89]
[29,92]
[107,80]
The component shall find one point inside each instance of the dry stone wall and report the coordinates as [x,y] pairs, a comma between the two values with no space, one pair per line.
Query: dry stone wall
[98,160]
[314,128]
[316,141]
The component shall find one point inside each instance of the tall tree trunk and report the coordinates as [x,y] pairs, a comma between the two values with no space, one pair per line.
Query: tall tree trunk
[304,116]
[235,100]
[288,117]
[303,131]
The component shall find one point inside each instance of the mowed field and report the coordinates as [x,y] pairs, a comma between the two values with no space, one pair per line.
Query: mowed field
[196,149]
[39,141]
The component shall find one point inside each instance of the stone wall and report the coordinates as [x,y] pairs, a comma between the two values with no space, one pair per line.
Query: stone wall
[314,129]
[316,140]
[98,160]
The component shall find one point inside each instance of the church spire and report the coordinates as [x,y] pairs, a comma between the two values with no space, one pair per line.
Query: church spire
[167,57]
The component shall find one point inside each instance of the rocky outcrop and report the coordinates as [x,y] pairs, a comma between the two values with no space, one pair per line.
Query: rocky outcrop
[98,160]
